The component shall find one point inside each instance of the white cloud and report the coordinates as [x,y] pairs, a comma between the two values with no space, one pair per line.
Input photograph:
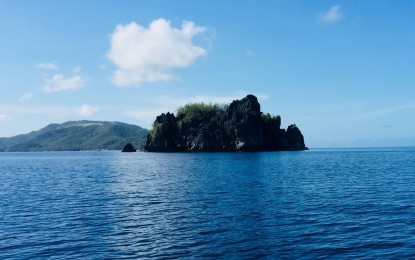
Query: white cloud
[262,96]
[57,111]
[25,97]
[77,70]
[151,54]
[59,82]
[145,117]
[249,53]
[4,117]
[86,110]
[31,110]
[332,15]
[46,65]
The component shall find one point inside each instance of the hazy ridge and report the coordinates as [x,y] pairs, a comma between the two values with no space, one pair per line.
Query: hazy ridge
[76,136]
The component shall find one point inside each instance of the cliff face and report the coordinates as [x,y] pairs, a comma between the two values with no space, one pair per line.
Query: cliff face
[163,139]
[239,127]
[244,124]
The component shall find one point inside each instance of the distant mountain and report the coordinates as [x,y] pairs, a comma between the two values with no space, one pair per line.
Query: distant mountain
[77,135]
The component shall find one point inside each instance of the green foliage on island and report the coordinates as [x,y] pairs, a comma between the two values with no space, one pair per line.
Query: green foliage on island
[198,111]
[76,136]
[155,128]
[269,119]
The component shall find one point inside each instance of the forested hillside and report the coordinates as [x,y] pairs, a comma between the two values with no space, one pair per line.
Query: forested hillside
[76,136]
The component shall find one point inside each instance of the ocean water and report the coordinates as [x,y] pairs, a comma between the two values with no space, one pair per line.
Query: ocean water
[352,203]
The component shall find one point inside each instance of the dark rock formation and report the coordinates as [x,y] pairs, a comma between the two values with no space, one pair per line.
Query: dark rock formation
[128,148]
[295,138]
[163,136]
[244,124]
[239,127]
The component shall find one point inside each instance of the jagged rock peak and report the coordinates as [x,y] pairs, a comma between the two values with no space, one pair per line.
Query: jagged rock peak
[295,138]
[129,148]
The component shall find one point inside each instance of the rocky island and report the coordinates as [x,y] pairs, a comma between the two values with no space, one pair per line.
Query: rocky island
[129,148]
[239,126]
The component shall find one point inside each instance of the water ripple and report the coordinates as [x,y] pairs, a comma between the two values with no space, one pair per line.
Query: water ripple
[314,204]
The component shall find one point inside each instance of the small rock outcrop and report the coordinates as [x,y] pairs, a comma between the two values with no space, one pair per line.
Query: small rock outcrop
[295,138]
[129,148]
[240,126]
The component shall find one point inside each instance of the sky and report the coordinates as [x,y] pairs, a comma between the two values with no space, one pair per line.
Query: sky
[342,71]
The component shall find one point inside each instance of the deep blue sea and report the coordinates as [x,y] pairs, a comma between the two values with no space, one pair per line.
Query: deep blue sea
[322,203]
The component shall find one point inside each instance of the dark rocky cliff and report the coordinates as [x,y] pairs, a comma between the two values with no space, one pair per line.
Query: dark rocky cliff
[129,148]
[239,127]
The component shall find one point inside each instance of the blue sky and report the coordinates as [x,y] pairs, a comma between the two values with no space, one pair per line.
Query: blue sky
[343,71]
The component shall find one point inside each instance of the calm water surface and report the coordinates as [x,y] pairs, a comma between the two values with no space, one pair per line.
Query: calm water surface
[286,205]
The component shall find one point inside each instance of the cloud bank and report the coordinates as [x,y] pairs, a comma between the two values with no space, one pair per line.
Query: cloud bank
[332,15]
[385,111]
[146,55]
[86,110]
[59,82]
[4,117]
[47,65]
[25,97]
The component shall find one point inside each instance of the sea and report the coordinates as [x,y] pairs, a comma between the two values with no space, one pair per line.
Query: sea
[321,203]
